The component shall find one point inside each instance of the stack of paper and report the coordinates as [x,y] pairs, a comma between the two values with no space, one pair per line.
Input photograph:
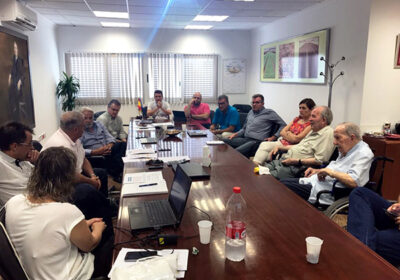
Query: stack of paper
[215,142]
[143,183]
[139,155]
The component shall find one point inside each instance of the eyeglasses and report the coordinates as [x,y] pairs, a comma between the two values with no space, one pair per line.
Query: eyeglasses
[256,102]
[26,144]
[222,103]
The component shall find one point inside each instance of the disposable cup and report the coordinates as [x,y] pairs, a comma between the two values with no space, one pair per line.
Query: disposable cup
[313,249]
[183,127]
[205,231]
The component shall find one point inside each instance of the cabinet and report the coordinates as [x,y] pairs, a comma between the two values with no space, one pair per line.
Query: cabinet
[391,177]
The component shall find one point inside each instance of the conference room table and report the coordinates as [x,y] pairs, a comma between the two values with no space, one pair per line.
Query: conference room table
[277,223]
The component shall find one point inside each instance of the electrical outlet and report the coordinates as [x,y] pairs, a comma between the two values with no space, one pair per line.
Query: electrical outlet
[42,136]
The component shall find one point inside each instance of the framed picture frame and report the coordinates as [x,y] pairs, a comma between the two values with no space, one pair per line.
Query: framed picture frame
[397,53]
[16,100]
[296,60]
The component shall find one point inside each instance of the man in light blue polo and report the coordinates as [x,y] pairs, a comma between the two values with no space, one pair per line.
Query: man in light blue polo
[226,119]
[351,169]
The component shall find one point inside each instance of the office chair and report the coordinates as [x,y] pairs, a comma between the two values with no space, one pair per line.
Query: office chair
[242,108]
[10,264]
[98,114]
[340,206]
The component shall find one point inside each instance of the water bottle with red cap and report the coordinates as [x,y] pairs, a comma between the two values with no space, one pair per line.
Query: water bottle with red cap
[235,235]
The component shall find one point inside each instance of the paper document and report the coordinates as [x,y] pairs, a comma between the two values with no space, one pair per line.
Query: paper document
[143,183]
[215,142]
[163,124]
[135,152]
[175,159]
[182,259]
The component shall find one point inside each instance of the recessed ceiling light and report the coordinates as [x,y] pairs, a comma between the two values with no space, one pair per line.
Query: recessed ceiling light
[114,24]
[209,18]
[110,14]
[201,27]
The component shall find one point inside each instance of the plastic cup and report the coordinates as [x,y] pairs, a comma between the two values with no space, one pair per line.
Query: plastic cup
[183,127]
[313,249]
[205,231]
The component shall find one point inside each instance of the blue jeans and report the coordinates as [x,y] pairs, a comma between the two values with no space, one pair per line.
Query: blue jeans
[368,222]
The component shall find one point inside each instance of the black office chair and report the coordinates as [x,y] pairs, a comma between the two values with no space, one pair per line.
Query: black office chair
[242,108]
[242,118]
[212,113]
[10,264]
[98,114]
[340,206]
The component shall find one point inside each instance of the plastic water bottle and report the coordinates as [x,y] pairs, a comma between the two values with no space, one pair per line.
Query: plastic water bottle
[235,232]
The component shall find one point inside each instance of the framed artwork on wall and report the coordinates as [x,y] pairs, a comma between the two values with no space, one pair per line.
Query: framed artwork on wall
[295,60]
[16,101]
[397,53]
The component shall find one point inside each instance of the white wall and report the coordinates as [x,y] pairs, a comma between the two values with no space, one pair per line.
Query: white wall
[381,84]
[348,20]
[227,44]
[44,68]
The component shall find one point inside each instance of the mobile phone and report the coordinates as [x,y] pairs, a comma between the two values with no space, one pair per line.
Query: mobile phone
[133,256]
[390,214]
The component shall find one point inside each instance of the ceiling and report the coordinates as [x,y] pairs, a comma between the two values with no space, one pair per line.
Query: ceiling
[174,14]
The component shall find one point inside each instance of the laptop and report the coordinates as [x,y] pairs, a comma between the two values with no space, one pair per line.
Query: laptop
[162,213]
[194,170]
[179,116]
[197,133]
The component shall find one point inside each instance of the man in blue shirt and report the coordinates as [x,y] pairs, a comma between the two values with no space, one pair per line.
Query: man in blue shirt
[351,169]
[97,141]
[226,118]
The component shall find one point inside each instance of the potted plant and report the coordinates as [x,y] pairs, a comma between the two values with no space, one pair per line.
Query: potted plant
[67,89]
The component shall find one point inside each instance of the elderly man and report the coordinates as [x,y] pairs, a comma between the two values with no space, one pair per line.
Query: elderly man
[260,124]
[198,112]
[97,141]
[226,120]
[351,169]
[112,121]
[375,222]
[68,136]
[316,148]
[16,158]
[158,108]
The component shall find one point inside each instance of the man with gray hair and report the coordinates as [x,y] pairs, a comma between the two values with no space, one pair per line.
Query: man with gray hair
[350,169]
[97,141]
[315,149]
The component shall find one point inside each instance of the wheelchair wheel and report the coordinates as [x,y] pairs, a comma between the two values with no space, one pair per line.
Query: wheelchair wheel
[338,211]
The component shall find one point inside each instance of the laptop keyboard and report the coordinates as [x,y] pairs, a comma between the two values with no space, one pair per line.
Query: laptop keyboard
[158,212]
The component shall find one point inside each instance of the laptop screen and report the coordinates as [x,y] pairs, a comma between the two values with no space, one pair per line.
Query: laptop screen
[179,193]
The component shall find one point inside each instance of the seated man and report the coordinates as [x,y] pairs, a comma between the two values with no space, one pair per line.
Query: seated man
[198,112]
[97,141]
[369,222]
[159,109]
[259,126]
[226,119]
[316,148]
[351,169]
[16,158]
[68,136]
[112,121]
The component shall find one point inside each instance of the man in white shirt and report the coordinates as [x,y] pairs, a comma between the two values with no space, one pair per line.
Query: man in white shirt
[159,108]
[16,158]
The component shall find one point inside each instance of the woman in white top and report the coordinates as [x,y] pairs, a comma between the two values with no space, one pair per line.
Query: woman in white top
[51,235]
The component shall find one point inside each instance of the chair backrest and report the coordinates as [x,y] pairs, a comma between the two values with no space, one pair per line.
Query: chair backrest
[212,112]
[144,111]
[98,114]
[377,185]
[242,118]
[242,108]
[10,265]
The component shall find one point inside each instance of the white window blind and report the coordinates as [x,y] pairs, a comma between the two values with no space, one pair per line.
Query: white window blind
[165,72]
[200,75]
[104,76]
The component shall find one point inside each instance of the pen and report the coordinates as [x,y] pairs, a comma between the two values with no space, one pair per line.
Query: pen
[148,185]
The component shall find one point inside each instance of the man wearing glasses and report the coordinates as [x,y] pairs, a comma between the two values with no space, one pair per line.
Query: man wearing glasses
[226,120]
[16,159]
[198,112]
[260,126]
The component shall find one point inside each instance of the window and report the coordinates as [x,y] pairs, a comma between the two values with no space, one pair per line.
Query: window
[104,76]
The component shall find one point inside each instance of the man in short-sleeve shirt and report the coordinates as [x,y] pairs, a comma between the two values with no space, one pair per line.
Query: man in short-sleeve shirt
[198,112]
[226,119]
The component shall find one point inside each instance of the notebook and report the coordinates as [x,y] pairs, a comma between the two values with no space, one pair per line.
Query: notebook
[161,213]
[197,133]
[143,183]
[194,170]
[179,116]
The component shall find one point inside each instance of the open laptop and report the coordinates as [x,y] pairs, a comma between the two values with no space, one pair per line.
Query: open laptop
[161,213]
[179,116]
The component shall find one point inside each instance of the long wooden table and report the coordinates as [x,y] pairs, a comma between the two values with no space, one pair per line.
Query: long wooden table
[278,221]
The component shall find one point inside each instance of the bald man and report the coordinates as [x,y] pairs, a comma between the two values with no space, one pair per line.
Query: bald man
[198,112]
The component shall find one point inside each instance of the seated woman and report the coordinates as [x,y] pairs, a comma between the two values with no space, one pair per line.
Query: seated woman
[293,133]
[51,235]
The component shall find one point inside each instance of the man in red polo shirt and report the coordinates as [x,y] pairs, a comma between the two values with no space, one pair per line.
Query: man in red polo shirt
[198,112]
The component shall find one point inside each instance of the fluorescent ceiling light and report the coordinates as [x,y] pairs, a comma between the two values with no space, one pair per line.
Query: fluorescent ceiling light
[243,0]
[209,18]
[201,27]
[114,24]
[110,14]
